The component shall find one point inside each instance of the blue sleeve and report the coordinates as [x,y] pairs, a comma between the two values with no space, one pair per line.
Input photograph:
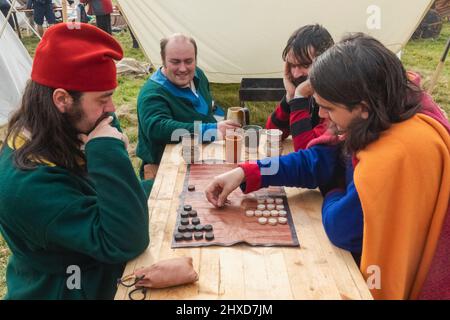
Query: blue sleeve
[307,168]
[342,218]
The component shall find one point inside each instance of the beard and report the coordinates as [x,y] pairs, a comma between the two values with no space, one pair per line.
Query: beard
[75,116]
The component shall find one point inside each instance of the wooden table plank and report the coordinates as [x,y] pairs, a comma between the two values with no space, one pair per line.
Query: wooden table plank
[316,270]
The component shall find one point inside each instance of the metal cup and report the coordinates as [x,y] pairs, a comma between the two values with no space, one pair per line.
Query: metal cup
[251,138]
[273,138]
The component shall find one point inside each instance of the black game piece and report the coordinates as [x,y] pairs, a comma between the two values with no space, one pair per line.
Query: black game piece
[199,227]
[209,236]
[190,228]
[192,213]
[184,222]
[198,235]
[179,236]
[195,221]
[187,207]
[208,227]
[187,236]
[191,187]
[184,214]
[181,229]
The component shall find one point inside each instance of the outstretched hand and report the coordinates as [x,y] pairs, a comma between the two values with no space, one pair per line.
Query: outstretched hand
[219,189]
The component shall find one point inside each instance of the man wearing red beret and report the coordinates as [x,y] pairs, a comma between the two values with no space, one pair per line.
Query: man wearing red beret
[72,210]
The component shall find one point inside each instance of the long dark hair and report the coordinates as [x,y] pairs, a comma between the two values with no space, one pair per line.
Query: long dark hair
[302,39]
[361,69]
[53,135]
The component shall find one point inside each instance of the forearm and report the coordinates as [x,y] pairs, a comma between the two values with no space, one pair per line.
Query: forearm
[166,130]
[121,201]
[105,217]
[305,168]
[300,123]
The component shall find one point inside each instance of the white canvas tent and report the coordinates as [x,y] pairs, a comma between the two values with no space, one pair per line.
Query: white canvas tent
[15,70]
[245,38]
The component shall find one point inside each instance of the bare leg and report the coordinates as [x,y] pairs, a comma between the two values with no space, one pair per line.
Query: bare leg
[40,30]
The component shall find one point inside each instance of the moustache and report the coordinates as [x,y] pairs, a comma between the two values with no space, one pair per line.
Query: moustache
[104,116]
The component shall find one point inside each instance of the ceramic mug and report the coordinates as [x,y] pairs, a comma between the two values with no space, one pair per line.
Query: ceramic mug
[239,115]
[233,148]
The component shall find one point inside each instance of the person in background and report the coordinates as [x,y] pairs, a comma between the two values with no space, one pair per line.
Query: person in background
[42,9]
[297,113]
[29,15]
[102,10]
[4,8]
[174,97]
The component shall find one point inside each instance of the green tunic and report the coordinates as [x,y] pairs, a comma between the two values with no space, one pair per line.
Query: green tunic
[53,220]
[162,108]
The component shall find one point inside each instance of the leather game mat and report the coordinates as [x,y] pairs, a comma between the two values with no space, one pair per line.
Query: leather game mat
[230,223]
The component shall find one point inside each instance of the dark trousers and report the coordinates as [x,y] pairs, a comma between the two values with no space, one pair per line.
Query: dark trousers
[135,43]
[104,22]
[5,11]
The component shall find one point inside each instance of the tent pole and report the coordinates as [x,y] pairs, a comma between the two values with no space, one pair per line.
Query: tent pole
[64,10]
[439,68]
[7,17]
[26,21]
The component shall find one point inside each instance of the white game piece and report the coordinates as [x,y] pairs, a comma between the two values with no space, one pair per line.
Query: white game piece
[273,221]
[261,206]
[261,201]
[270,200]
[282,213]
[274,213]
[262,220]
[282,220]
[258,213]
[266,213]
[270,206]
[279,200]
[249,213]
[280,207]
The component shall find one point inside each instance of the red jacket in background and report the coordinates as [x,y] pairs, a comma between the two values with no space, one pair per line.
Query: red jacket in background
[99,7]
[300,118]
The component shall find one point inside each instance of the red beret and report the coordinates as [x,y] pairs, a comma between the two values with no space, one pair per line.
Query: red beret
[76,59]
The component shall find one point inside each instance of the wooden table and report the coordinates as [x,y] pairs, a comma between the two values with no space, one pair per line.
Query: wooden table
[316,270]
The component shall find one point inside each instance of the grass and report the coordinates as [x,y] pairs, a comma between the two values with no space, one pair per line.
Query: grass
[419,55]
[422,56]
[4,254]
